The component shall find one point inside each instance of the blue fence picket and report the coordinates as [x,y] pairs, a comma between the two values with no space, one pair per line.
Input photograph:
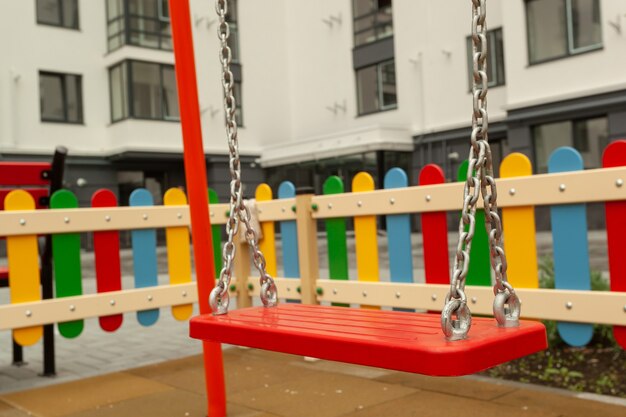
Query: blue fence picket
[399,233]
[144,256]
[289,235]
[570,245]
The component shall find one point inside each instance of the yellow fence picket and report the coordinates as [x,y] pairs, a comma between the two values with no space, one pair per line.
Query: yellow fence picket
[178,252]
[268,243]
[519,227]
[23,258]
[365,235]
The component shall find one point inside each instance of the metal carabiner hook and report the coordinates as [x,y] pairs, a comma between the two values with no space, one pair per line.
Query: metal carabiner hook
[219,299]
[507,308]
[456,329]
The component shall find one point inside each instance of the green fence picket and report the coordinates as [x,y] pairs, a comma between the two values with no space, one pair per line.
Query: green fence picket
[66,258]
[216,231]
[336,235]
[480,266]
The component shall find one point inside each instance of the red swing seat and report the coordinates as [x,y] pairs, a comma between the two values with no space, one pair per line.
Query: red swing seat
[411,342]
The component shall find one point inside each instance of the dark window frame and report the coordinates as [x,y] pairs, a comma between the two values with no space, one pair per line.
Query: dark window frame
[375,26]
[129,114]
[61,18]
[233,18]
[572,122]
[381,108]
[164,106]
[124,70]
[498,55]
[79,98]
[238,103]
[126,32]
[570,51]
[233,23]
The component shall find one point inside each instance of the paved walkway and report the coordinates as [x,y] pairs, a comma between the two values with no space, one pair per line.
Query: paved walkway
[262,384]
[96,352]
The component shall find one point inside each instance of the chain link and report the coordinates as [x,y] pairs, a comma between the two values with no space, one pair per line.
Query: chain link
[219,297]
[479,179]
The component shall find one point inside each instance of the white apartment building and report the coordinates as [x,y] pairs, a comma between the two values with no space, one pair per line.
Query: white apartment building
[325,87]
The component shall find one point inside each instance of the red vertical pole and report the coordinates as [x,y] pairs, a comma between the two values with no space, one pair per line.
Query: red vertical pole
[195,174]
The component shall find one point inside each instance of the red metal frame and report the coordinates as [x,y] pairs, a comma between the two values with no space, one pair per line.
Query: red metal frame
[20,174]
[195,174]
[24,173]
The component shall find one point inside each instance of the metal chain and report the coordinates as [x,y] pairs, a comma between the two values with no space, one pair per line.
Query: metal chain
[219,297]
[506,307]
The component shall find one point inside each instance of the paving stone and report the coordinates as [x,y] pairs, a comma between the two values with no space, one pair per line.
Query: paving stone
[191,380]
[176,388]
[565,405]
[79,368]
[6,379]
[171,403]
[245,373]
[236,410]
[8,411]
[154,371]
[319,394]
[432,404]
[265,355]
[86,394]
[4,406]
[17,372]
[464,387]
[345,368]
[96,359]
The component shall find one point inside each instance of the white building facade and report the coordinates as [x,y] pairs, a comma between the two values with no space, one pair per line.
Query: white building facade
[325,87]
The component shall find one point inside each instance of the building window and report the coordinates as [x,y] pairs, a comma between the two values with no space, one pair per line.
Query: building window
[143,23]
[60,97]
[238,111]
[559,28]
[143,90]
[588,136]
[376,87]
[373,20]
[62,13]
[233,38]
[495,64]
[116,24]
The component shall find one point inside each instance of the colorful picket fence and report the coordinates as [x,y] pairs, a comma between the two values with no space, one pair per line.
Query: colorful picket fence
[23,258]
[569,235]
[565,190]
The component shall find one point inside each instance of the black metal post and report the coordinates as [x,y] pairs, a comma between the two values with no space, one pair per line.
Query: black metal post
[47,290]
[18,354]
